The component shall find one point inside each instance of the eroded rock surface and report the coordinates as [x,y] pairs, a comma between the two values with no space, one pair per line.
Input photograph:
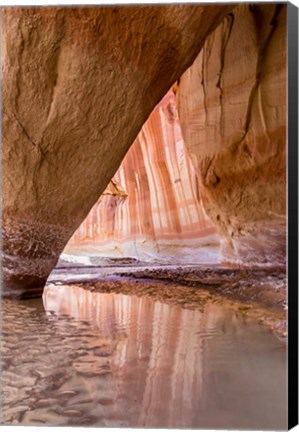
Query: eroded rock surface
[232,108]
[152,208]
[78,85]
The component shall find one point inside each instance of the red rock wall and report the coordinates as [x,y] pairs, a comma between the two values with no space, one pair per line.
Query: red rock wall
[157,198]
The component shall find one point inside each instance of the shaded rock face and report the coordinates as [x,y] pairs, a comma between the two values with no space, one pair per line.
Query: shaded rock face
[78,85]
[152,209]
[232,109]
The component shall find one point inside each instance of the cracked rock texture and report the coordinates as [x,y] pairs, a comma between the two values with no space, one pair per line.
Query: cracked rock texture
[78,85]
[232,109]
[152,209]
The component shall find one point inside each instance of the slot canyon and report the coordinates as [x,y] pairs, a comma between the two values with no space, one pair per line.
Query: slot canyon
[144,214]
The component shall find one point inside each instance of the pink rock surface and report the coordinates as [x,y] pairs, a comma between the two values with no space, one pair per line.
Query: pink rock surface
[156,205]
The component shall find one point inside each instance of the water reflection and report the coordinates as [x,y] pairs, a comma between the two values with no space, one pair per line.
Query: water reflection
[116,360]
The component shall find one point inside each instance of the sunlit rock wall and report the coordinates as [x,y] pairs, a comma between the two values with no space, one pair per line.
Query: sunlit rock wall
[153,207]
[232,109]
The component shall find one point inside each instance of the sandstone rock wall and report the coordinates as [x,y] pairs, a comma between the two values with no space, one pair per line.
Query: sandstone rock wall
[78,84]
[155,211]
[232,109]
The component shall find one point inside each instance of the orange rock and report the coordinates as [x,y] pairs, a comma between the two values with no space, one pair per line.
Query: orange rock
[232,109]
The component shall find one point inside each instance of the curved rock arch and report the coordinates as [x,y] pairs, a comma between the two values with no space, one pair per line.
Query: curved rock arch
[78,85]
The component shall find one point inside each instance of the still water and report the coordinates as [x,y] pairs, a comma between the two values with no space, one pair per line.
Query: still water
[83,358]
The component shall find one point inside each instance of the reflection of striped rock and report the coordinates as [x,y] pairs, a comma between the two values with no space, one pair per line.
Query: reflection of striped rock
[169,367]
[154,194]
[156,349]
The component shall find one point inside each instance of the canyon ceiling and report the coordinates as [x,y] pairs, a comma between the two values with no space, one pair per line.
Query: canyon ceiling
[79,84]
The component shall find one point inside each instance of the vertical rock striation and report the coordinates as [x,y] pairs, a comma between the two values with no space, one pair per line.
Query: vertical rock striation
[152,208]
[232,109]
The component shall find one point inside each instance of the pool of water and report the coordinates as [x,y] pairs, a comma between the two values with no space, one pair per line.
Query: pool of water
[84,358]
